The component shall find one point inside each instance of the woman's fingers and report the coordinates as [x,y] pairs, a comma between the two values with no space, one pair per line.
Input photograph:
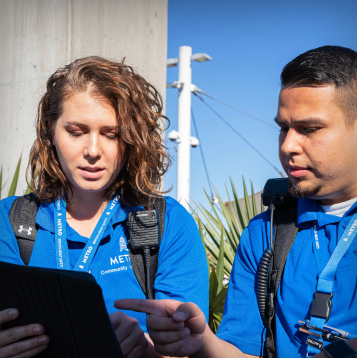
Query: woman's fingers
[117,318]
[131,337]
[16,333]
[12,343]
[26,348]
[124,326]
[135,345]
[8,315]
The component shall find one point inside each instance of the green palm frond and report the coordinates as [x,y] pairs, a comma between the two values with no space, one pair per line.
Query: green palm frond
[15,179]
[220,226]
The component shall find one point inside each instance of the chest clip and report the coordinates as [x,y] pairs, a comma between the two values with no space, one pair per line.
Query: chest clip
[321,305]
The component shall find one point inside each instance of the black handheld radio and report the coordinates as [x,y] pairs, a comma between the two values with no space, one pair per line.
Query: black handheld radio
[275,193]
[144,233]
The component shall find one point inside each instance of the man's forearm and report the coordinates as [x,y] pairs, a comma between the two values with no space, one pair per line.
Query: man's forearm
[213,347]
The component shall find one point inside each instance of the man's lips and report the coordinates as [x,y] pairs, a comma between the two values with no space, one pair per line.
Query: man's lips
[297,172]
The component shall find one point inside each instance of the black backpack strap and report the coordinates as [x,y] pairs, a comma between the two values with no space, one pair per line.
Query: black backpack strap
[23,221]
[137,256]
[285,233]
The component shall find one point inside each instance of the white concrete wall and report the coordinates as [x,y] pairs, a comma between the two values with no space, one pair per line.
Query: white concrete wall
[38,36]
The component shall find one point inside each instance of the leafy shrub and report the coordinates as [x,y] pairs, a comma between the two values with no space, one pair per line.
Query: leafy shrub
[220,227]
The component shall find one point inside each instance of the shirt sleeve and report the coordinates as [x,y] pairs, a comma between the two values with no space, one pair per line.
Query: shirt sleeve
[242,325]
[9,249]
[182,271]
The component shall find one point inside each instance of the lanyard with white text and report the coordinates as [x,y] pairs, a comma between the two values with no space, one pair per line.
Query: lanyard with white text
[87,255]
[62,256]
[326,278]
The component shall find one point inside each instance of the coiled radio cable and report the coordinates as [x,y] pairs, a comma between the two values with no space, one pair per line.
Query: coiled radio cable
[264,294]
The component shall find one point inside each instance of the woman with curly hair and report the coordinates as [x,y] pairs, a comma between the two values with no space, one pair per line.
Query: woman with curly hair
[98,149]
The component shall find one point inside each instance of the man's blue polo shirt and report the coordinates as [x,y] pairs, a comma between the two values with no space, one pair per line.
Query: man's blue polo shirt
[242,325]
[182,264]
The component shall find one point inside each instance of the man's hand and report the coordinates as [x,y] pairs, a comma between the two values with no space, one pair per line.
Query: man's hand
[177,329]
[12,342]
[131,337]
[180,329]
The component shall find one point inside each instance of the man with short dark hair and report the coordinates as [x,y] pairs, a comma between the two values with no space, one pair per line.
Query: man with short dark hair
[317,113]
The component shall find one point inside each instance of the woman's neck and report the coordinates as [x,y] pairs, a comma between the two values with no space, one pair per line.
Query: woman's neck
[84,211]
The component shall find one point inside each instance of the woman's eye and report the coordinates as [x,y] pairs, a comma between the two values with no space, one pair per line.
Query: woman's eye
[75,133]
[112,135]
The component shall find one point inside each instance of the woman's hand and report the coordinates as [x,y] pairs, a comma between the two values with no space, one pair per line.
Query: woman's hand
[177,329]
[131,337]
[11,343]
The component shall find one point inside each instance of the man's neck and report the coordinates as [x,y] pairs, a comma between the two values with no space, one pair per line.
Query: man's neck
[339,198]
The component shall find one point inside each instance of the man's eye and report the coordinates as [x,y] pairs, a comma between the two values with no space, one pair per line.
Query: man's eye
[311,129]
[283,129]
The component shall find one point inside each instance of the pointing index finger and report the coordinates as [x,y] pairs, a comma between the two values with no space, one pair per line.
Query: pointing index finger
[163,308]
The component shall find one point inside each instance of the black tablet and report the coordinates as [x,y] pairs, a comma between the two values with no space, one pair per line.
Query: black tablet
[68,304]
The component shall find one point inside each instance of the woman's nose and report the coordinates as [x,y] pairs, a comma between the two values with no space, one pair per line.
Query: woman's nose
[92,148]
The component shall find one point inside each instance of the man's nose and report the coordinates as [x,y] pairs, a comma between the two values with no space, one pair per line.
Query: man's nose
[93,148]
[291,143]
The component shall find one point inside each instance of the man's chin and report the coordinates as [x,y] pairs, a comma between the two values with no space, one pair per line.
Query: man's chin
[303,189]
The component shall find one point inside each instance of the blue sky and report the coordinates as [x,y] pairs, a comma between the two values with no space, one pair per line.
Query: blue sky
[249,42]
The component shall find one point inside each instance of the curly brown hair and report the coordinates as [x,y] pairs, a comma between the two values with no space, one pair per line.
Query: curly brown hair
[138,106]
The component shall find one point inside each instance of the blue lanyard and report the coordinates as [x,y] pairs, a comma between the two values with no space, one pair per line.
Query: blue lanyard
[62,256]
[327,274]
[87,255]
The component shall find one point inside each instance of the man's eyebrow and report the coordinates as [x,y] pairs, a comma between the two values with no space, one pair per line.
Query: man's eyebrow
[310,121]
[277,120]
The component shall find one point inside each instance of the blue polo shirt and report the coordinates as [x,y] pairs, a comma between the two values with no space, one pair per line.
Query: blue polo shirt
[182,264]
[242,325]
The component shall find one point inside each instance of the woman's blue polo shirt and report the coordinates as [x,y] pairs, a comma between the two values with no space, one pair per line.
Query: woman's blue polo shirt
[182,264]
[242,325]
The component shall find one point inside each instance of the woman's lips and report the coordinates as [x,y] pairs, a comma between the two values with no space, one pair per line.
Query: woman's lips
[91,173]
[297,172]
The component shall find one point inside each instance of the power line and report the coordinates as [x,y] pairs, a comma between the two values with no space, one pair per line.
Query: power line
[21,81]
[237,109]
[236,132]
[201,150]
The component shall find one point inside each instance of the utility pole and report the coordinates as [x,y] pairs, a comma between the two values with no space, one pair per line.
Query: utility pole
[183,135]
